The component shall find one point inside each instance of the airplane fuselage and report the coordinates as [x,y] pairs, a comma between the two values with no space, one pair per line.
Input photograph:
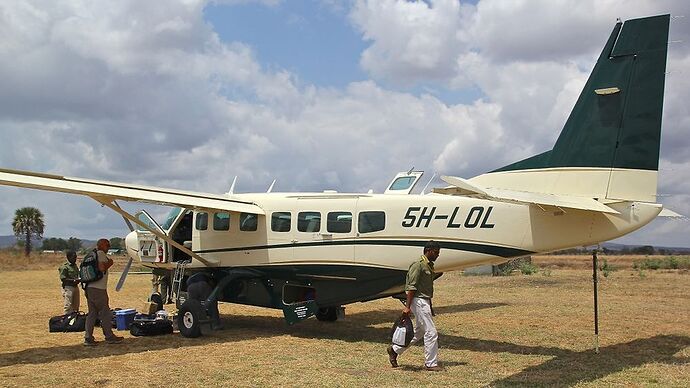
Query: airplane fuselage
[332,228]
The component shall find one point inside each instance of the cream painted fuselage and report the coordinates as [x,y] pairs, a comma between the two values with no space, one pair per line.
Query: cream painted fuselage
[471,231]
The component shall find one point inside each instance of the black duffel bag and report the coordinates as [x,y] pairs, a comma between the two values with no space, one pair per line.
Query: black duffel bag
[71,322]
[149,328]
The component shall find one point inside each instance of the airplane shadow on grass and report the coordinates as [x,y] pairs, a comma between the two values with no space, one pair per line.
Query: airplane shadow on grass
[566,368]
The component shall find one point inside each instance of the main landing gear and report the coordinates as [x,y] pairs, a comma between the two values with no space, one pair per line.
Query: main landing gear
[191,316]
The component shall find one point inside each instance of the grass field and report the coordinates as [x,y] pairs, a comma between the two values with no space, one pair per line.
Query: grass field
[494,331]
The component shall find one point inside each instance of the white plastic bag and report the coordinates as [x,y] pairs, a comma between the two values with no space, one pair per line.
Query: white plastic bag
[399,335]
[402,331]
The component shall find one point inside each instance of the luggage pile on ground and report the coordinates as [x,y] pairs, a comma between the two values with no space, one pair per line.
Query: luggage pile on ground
[151,324]
[139,325]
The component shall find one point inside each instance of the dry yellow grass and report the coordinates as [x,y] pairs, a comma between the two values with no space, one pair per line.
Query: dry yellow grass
[497,331]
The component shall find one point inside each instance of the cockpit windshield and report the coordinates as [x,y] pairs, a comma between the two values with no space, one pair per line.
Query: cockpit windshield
[171,217]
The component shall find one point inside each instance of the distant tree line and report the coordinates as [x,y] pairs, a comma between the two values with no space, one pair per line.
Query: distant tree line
[75,244]
[59,244]
[641,250]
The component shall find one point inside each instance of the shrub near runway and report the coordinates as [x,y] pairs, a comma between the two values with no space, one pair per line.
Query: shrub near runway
[499,331]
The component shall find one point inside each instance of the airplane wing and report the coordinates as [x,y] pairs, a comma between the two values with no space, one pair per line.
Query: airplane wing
[460,186]
[111,191]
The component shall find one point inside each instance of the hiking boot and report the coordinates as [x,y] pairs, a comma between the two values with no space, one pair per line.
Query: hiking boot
[114,339]
[392,357]
[89,342]
[434,368]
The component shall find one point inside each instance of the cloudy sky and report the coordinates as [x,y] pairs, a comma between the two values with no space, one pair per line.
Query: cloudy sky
[318,94]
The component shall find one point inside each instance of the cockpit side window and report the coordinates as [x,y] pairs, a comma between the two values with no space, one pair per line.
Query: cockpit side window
[201,221]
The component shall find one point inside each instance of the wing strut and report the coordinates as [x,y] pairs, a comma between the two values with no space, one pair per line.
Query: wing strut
[109,202]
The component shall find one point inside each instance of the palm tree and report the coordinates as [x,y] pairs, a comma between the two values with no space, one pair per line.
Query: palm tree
[28,221]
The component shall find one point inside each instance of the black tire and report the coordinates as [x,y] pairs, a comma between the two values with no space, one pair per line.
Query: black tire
[190,317]
[327,314]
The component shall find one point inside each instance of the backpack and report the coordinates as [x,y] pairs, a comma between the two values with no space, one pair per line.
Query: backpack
[88,269]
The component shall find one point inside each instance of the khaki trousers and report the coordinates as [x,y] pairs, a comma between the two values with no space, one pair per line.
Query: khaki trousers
[70,296]
[98,308]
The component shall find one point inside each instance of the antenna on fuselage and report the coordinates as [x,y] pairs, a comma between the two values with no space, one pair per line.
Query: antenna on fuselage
[232,186]
[270,188]
[410,172]
[427,184]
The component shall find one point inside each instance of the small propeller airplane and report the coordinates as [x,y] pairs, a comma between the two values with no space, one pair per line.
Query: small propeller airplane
[311,253]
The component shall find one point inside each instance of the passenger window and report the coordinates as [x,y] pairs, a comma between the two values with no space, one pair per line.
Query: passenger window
[339,222]
[309,221]
[248,222]
[201,221]
[221,221]
[280,222]
[371,222]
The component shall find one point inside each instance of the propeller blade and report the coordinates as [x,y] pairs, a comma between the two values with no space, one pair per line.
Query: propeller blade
[121,282]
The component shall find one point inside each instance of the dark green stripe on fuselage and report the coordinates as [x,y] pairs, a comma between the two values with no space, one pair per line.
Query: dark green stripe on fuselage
[488,249]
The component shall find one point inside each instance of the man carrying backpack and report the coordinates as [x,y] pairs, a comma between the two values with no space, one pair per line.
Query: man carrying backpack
[97,297]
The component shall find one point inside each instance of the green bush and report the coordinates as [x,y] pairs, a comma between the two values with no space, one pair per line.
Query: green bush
[670,262]
[528,268]
[606,269]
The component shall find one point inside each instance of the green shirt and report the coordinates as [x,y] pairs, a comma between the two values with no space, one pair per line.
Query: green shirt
[420,278]
[69,273]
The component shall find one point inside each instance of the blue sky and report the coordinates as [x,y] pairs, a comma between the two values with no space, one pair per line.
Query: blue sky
[315,42]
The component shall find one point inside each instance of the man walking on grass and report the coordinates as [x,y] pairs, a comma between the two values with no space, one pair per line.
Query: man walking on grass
[97,296]
[419,289]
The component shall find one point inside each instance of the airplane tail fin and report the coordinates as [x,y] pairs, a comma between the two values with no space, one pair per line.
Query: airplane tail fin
[609,146]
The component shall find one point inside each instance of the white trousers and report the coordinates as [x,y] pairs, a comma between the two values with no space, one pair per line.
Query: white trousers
[424,328]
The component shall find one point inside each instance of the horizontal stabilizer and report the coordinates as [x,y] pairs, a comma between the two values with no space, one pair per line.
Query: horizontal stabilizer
[463,186]
[670,213]
[460,186]
[125,192]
